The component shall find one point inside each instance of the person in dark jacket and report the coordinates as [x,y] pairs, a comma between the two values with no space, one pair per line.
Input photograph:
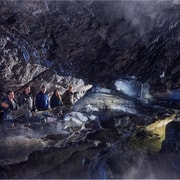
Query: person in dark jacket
[9,104]
[2,98]
[42,100]
[4,110]
[12,112]
[25,100]
[68,96]
[55,100]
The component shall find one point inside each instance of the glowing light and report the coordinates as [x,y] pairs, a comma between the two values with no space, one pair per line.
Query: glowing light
[125,87]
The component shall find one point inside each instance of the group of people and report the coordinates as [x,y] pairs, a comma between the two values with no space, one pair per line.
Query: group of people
[42,99]
[24,105]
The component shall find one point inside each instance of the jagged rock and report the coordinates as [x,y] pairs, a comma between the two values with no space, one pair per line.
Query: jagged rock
[96,41]
[172,138]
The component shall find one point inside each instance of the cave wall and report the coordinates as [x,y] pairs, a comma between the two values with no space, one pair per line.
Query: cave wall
[97,41]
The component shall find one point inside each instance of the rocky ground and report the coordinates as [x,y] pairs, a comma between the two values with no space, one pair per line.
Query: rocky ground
[96,139]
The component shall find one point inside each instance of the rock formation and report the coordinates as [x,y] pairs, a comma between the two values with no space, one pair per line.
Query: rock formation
[97,41]
[122,57]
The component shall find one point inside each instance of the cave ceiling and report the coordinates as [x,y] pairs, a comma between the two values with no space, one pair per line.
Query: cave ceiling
[97,41]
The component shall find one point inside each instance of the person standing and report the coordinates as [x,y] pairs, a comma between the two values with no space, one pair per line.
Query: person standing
[68,96]
[56,100]
[9,104]
[25,100]
[42,100]
[12,112]
[2,98]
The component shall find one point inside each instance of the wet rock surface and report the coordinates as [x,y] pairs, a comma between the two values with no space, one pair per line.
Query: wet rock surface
[171,144]
[110,147]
